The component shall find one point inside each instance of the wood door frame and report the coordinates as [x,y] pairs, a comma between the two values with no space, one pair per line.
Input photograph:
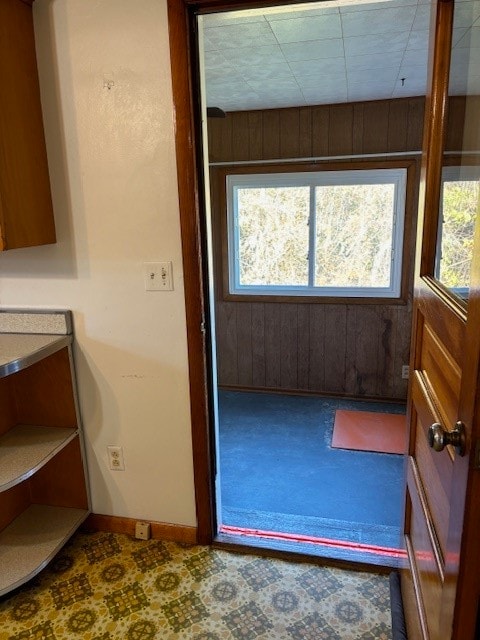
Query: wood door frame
[188,154]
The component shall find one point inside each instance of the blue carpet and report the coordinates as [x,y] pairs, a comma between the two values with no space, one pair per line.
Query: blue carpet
[279,473]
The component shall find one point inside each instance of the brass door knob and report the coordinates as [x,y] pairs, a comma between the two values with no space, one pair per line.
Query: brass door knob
[439,438]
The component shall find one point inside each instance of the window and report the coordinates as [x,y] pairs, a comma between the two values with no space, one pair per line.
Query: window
[323,233]
[458,211]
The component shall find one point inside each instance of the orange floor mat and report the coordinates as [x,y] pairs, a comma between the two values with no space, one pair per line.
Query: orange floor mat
[369,431]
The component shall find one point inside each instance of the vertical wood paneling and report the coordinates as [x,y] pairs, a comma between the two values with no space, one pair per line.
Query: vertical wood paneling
[335,347]
[305,133]
[214,133]
[316,378]
[340,130]
[289,346]
[258,345]
[416,108]
[271,134]
[290,133]
[240,138]
[375,127]
[351,373]
[303,345]
[273,338]
[226,338]
[455,123]
[397,125]
[244,343]
[327,348]
[402,350]
[255,140]
[386,351]
[357,143]
[367,330]
[320,126]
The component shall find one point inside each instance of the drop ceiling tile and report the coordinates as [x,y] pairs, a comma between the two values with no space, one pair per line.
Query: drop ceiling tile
[471,39]
[266,72]
[216,60]
[465,14]
[274,86]
[460,60]
[368,5]
[422,18]
[412,86]
[304,29]
[313,96]
[457,35]
[316,67]
[372,76]
[214,77]
[413,75]
[255,55]
[222,83]
[360,23]
[321,9]
[328,83]
[415,58]
[374,61]
[241,35]
[207,44]
[375,44]
[377,91]
[228,17]
[313,50]
[418,40]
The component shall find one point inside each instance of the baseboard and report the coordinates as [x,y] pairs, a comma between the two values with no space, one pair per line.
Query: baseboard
[160,530]
[306,392]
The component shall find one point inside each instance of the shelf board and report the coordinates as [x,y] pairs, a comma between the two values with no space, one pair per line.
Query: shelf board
[32,540]
[18,351]
[25,448]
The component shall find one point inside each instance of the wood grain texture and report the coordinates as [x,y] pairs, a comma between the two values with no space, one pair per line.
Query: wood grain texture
[188,197]
[159,530]
[12,503]
[61,482]
[26,211]
[44,392]
[304,345]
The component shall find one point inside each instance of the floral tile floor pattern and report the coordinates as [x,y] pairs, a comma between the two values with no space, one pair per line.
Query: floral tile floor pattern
[113,587]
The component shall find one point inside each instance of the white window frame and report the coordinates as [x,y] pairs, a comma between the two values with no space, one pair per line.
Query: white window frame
[312,179]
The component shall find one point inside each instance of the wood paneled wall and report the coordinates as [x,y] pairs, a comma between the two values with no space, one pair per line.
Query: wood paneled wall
[347,349]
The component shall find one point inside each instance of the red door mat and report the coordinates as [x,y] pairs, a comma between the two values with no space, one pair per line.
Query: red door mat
[369,431]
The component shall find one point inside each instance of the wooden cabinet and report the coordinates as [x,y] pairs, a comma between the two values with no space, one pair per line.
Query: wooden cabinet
[26,213]
[43,489]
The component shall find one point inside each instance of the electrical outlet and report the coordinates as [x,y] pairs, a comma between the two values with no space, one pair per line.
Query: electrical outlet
[405,372]
[142,530]
[115,458]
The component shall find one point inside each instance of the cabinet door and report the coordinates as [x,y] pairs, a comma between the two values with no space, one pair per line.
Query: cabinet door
[442,510]
[26,213]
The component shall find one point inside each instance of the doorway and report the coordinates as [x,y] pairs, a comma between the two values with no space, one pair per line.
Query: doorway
[391,129]
[288,110]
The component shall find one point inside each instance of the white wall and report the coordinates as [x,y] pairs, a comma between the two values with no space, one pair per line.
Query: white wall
[112,164]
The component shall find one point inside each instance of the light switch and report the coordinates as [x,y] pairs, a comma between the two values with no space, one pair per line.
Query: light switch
[158,276]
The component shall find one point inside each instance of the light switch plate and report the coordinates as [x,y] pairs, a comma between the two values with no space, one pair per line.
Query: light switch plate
[158,276]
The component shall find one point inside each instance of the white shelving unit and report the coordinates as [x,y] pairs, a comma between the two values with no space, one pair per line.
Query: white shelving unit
[43,489]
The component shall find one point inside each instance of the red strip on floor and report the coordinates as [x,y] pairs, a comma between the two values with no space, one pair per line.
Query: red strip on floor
[327,542]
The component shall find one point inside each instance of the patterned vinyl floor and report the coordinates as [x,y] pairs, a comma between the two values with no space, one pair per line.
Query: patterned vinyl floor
[113,587]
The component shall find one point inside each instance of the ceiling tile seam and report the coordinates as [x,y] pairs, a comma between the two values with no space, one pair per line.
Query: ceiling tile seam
[405,50]
[288,64]
[344,57]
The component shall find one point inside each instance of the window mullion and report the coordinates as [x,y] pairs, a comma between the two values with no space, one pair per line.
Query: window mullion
[312,238]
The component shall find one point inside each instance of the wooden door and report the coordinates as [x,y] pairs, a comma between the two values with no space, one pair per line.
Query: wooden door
[440,586]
